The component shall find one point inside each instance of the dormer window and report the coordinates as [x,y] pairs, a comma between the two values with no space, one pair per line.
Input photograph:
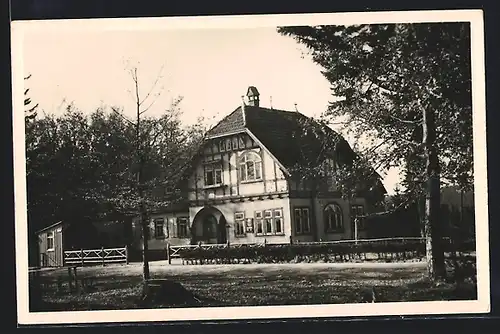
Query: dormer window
[250,167]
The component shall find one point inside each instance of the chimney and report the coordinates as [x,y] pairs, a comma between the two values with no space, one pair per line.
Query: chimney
[253,96]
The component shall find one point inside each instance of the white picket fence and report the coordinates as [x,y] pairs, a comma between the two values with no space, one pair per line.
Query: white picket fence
[96,256]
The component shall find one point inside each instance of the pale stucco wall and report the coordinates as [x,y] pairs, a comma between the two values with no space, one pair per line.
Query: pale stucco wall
[249,208]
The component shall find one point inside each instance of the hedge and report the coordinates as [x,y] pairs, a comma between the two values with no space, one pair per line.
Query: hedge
[327,252]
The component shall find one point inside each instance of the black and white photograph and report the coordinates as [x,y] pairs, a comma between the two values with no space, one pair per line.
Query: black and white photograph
[250,167]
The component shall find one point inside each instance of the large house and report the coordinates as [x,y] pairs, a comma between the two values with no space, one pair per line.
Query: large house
[243,187]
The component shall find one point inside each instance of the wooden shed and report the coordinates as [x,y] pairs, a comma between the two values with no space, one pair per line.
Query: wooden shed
[51,246]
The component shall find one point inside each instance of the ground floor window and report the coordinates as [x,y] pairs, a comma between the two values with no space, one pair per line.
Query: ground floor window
[182,227]
[302,221]
[332,216]
[357,213]
[269,222]
[159,231]
[239,224]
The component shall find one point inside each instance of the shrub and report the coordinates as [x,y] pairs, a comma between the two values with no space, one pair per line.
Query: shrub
[309,252]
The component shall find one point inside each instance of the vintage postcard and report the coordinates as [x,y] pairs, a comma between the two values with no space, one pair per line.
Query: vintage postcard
[250,167]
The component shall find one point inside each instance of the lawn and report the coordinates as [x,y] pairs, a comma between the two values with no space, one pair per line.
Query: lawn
[118,286]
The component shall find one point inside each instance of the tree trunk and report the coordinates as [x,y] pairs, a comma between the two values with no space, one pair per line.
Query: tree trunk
[434,247]
[145,248]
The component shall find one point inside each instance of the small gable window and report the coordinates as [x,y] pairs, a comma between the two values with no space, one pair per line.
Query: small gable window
[333,218]
[250,167]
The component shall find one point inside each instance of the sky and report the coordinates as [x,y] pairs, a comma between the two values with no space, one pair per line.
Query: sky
[210,68]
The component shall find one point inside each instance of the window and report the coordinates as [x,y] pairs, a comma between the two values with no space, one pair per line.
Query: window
[302,221]
[213,174]
[235,143]
[358,210]
[182,227]
[239,223]
[278,221]
[269,222]
[250,167]
[50,240]
[332,216]
[222,145]
[159,228]
[241,142]
[259,228]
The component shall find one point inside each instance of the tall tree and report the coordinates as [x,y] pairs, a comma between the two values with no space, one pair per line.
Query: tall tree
[393,81]
[162,151]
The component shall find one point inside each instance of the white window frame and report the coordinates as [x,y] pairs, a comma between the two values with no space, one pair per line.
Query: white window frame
[266,219]
[51,235]
[239,224]
[278,216]
[245,163]
[215,168]
[335,225]
[259,221]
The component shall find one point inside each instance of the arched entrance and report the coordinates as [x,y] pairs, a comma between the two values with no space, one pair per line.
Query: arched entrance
[209,226]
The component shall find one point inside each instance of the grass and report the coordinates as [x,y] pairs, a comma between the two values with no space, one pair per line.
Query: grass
[118,286]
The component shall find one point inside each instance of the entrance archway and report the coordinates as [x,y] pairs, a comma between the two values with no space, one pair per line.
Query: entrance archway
[209,226]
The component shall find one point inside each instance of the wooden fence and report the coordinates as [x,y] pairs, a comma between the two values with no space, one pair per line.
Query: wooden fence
[96,256]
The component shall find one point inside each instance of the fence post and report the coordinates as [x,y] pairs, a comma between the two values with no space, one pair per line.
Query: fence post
[265,242]
[81,255]
[102,255]
[168,254]
[291,240]
[126,254]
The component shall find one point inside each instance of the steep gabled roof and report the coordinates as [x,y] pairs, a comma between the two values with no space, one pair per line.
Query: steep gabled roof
[233,122]
[281,132]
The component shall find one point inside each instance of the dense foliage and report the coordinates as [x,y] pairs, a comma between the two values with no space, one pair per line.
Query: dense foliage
[404,92]
[81,167]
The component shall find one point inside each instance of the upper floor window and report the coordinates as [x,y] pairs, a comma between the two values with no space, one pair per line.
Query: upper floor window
[213,174]
[250,167]
[333,218]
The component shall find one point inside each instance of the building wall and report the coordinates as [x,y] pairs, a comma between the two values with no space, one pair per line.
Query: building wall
[52,257]
[273,179]
[345,206]
[170,235]
[249,209]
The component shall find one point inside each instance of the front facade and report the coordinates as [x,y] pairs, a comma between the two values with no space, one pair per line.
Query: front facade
[241,188]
